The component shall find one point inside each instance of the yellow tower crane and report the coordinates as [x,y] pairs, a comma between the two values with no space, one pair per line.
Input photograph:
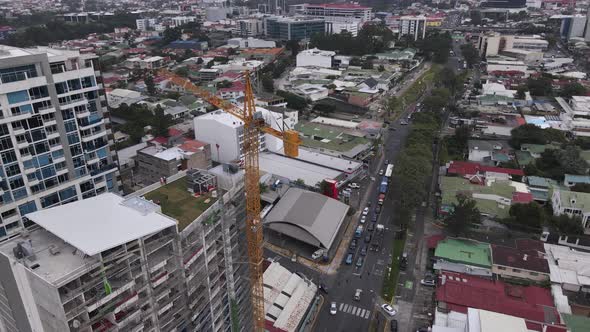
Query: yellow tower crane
[252,128]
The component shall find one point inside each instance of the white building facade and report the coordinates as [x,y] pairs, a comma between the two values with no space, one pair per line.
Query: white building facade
[414,26]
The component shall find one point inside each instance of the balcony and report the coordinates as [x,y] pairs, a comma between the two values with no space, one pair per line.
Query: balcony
[92,124]
[19,130]
[92,137]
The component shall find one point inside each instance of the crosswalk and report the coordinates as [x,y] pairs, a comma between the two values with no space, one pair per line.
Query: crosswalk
[355,311]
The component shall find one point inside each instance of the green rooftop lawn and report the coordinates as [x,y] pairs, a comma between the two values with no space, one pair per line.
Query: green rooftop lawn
[466,251]
[178,203]
[451,186]
[338,140]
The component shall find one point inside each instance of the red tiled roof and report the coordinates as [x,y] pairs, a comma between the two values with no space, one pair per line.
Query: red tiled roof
[521,121]
[160,139]
[532,303]
[530,244]
[523,198]
[192,145]
[236,87]
[468,168]
[520,259]
[432,241]
[174,132]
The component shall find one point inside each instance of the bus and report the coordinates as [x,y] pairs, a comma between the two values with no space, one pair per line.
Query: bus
[389,171]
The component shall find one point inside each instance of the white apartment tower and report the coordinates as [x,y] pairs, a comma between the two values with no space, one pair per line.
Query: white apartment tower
[414,26]
[55,136]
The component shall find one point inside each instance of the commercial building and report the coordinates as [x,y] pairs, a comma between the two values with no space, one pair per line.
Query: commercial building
[521,263]
[251,43]
[568,268]
[225,132]
[250,27]
[293,28]
[145,24]
[491,44]
[352,27]
[315,58]
[504,4]
[414,26]
[505,65]
[130,264]
[333,12]
[288,298]
[117,97]
[308,217]
[55,136]
[155,162]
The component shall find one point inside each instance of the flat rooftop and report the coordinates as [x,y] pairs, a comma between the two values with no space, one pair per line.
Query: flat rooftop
[294,169]
[465,251]
[55,269]
[177,202]
[328,137]
[103,222]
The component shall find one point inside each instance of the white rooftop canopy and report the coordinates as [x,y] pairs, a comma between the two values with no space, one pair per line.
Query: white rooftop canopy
[103,222]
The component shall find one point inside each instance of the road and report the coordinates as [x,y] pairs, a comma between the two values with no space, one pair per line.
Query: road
[356,315]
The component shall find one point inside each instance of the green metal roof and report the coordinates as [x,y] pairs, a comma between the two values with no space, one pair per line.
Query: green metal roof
[577,200]
[523,157]
[464,251]
[577,323]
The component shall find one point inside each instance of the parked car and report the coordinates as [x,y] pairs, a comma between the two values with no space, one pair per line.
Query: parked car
[403,122]
[359,262]
[353,185]
[428,280]
[374,218]
[353,244]
[349,259]
[393,325]
[364,251]
[371,227]
[368,238]
[323,288]
[386,161]
[403,261]
[377,209]
[388,309]
[363,219]
[366,211]
[333,309]
[380,172]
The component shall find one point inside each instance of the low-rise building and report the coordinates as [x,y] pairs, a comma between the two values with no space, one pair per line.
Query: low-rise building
[519,263]
[156,162]
[463,256]
[570,180]
[251,43]
[150,63]
[574,204]
[117,97]
[568,268]
[488,152]
[315,58]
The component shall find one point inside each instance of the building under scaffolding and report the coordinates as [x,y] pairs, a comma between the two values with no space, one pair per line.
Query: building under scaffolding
[161,259]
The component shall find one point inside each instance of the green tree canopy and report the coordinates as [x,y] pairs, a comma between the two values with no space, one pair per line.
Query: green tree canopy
[528,215]
[573,89]
[150,85]
[161,122]
[470,54]
[293,101]
[531,134]
[540,86]
[463,216]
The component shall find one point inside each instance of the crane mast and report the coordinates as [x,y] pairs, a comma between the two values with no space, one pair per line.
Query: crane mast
[252,128]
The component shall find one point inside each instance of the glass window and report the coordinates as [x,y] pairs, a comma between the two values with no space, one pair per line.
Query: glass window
[17,96]
[27,208]
[74,84]
[19,193]
[88,82]
[61,87]
[4,130]
[49,200]
[78,161]
[5,143]
[16,183]
[70,126]
[102,153]
[31,163]
[67,193]
[44,159]
[73,138]
[48,172]
[38,134]
[37,188]
[38,92]
[12,170]
[57,154]
[76,149]
[41,147]
[67,114]
[8,157]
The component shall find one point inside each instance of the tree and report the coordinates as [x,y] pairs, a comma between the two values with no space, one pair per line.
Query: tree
[573,89]
[571,161]
[390,104]
[567,225]
[531,134]
[293,101]
[464,215]
[381,68]
[224,84]
[540,86]
[357,62]
[161,122]
[324,109]
[150,85]
[434,104]
[267,82]
[293,46]
[470,54]
[368,64]
[325,188]
[182,71]
[530,215]
[581,188]
[170,35]
[521,92]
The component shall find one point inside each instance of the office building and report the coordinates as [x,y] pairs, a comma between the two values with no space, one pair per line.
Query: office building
[333,12]
[414,26]
[250,27]
[315,58]
[127,264]
[55,134]
[293,28]
[491,44]
[145,24]
[572,26]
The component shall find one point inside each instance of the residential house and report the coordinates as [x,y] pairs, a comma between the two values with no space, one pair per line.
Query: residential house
[150,63]
[573,204]
[568,268]
[572,180]
[521,263]
[177,112]
[463,256]
[481,174]
[541,188]
[489,152]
